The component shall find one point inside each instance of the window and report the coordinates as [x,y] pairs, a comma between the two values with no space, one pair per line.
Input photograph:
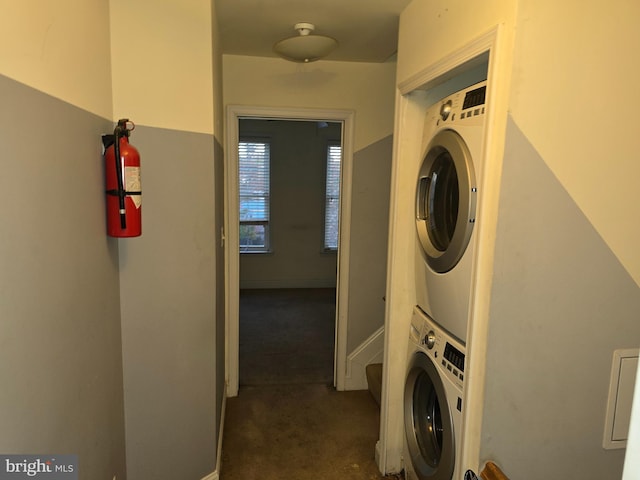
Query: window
[332,196]
[253,161]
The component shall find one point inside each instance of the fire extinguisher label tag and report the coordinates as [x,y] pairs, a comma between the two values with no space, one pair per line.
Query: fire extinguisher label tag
[133,184]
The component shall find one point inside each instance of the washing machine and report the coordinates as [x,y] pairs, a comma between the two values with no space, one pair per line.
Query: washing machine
[433,399]
[448,187]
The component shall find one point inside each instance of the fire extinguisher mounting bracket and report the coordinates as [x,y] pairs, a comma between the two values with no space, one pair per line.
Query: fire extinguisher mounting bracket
[108,140]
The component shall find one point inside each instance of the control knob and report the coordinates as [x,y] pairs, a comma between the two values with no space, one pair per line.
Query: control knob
[445,109]
[430,339]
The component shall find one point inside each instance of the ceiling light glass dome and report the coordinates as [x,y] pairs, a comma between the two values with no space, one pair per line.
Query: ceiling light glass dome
[305,47]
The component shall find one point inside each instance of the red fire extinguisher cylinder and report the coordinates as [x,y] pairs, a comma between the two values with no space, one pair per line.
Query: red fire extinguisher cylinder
[123,186]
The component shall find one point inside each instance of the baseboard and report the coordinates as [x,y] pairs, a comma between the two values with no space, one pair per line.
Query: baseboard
[290,283]
[370,351]
[215,475]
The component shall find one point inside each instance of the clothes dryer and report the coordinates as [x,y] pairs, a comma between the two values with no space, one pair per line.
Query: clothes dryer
[449,184]
[433,399]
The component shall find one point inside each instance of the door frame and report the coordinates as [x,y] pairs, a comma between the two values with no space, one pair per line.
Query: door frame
[232,235]
[411,103]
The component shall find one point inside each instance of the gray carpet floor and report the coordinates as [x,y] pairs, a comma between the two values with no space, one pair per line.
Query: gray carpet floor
[287,336]
[287,421]
[300,432]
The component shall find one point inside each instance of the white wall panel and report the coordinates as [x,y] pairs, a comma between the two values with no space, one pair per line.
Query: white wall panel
[431,29]
[367,88]
[162,63]
[60,48]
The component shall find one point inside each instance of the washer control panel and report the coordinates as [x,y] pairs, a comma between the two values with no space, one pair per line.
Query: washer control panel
[447,353]
[453,360]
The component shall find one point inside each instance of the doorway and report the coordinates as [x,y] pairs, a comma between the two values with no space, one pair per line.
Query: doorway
[289,178]
[234,115]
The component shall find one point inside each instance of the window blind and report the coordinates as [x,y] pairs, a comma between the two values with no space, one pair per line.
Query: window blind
[254,193]
[332,197]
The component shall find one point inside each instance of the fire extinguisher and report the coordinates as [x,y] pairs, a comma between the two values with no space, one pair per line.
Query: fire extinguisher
[123,187]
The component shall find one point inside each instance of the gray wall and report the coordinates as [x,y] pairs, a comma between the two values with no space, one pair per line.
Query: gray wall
[168,294]
[369,238]
[60,352]
[298,164]
[220,319]
[561,304]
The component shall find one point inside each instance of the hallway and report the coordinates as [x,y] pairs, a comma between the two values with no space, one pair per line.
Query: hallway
[301,432]
[288,421]
[287,336]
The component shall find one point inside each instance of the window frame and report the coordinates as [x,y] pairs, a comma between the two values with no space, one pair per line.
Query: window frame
[259,249]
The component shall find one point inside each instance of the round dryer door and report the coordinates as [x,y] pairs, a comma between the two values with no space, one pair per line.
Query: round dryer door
[445,201]
[428,422]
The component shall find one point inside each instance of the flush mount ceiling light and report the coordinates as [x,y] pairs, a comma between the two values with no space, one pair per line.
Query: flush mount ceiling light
[305,47]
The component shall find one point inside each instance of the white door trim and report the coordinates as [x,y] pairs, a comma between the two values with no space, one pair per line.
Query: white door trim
[232,258]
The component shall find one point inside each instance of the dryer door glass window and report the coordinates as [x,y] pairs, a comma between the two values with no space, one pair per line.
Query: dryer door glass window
[445,201]
[427,420]
[441,201]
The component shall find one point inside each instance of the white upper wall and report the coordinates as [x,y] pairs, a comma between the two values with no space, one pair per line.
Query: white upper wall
[366,88]
[217,75]
[160,54]
[455,23]
[37,49]
[575,96]
[162,63]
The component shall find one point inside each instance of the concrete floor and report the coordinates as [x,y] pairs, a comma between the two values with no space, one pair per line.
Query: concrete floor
[300,432]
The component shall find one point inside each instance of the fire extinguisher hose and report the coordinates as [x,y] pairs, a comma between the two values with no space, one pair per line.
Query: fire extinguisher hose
[121,191]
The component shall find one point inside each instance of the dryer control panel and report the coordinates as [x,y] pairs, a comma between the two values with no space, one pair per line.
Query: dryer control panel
[464,105]
[473,98]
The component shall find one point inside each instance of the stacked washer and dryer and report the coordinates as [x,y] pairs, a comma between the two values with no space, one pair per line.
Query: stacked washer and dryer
[448,185]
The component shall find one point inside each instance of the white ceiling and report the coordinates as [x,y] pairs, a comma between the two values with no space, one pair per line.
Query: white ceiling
[367,30]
